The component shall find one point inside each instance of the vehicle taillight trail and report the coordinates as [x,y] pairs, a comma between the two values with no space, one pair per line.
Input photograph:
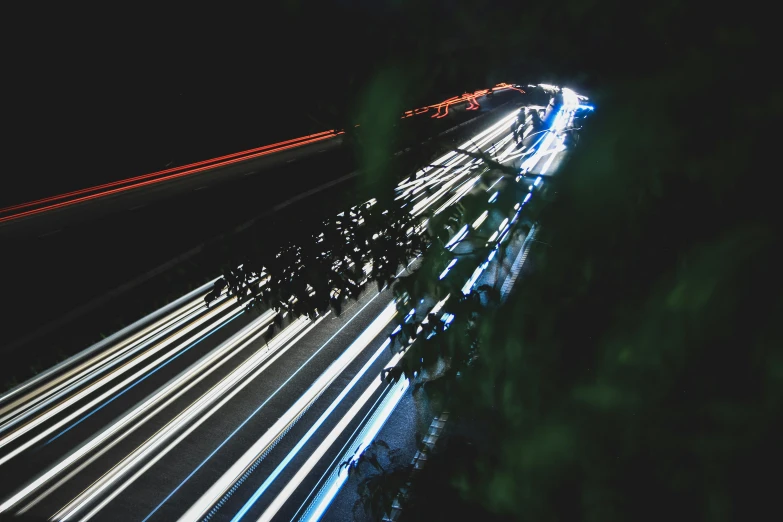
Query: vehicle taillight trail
[31,208]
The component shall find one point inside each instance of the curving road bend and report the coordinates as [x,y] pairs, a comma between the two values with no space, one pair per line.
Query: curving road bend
[200,413]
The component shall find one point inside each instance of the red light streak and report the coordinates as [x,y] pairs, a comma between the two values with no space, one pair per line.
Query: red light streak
[210,165]
[299,141]
[442,108]
[86,194]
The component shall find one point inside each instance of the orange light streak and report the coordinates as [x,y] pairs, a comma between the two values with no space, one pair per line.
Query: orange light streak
[114,187]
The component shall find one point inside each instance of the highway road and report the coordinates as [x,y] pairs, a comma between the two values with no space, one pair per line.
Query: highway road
[196,414]
[106,197]
[82,252]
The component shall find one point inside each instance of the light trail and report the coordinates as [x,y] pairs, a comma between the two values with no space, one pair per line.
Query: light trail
[111,483]
[190,430]
[369,433]
[199,510]
[460,193]
[87,371]
[421,206]
[471,145]
[334,433]
[480,220]
[167,177]
[272,476]
[205,366]
[318,454]
[442,108]
[135,379]
[195,308]
[201,507]
[247,419]
[49,203]
[7,396]
[211,362]
[194,412]
[166,171]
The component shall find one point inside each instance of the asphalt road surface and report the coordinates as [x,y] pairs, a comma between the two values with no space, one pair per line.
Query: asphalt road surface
[72,255]
[200,413]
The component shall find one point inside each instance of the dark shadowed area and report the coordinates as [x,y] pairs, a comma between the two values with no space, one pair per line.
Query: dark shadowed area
[636,373]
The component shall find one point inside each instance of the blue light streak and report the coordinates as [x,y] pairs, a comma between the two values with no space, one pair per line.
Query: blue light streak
[231,435]
[139,380]
[263,487]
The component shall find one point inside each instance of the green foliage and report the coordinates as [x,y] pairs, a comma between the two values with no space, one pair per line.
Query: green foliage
[381,473]
[363,245]
[439,352]
[309,274]
[636,374]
